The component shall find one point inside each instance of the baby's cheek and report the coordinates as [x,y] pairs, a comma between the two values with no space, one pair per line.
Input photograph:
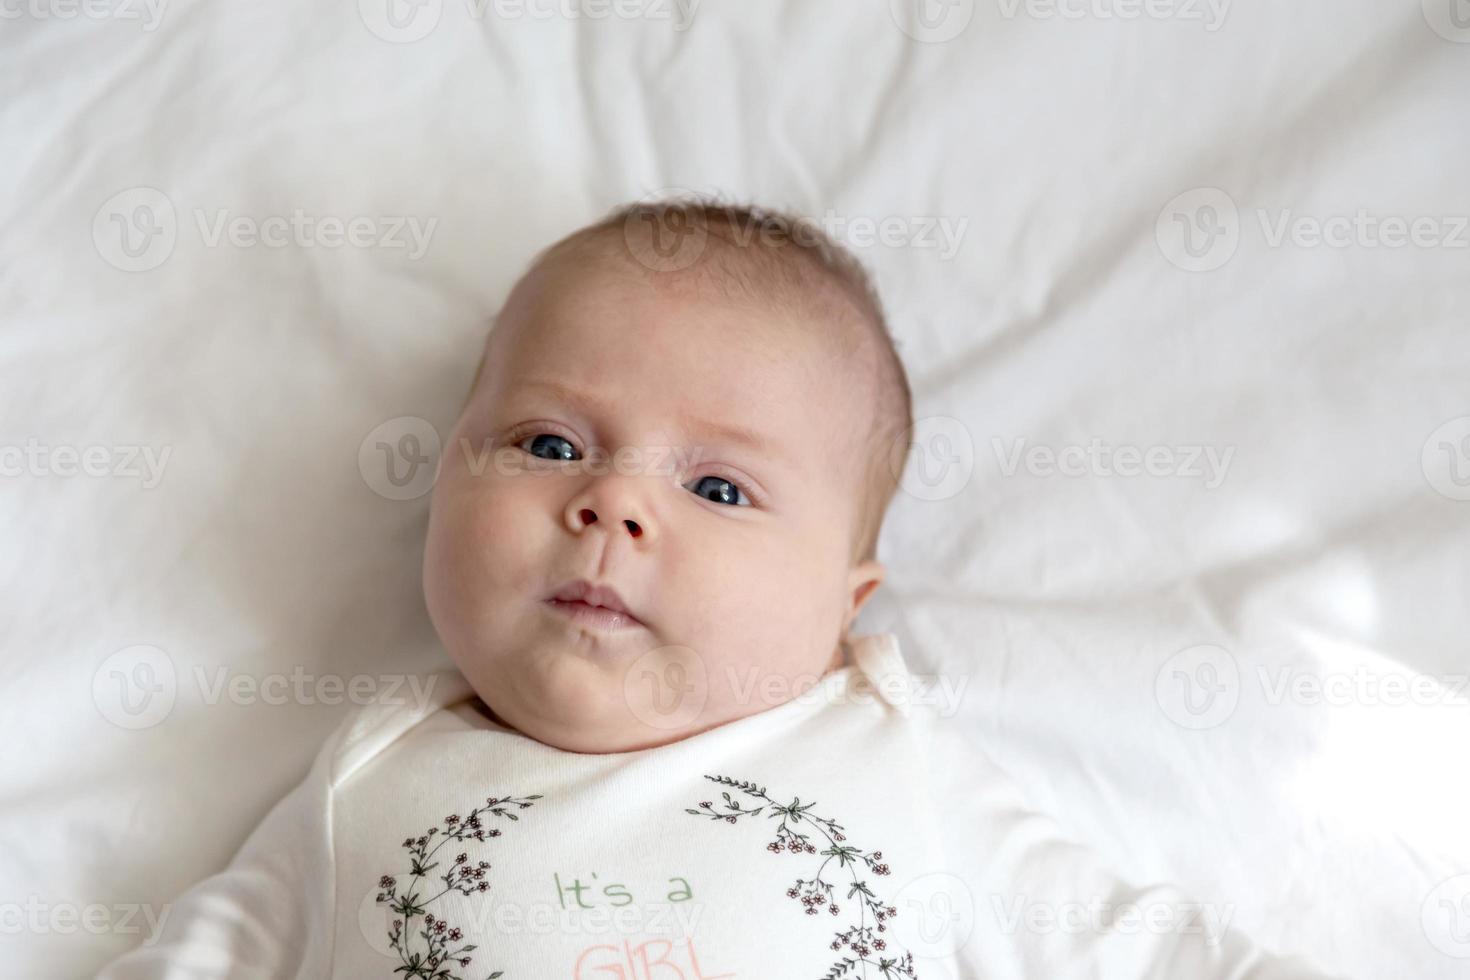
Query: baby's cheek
[811,584]
[479,557]
[783,613]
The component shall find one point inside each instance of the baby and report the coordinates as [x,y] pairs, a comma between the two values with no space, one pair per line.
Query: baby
[663,755]
[694,421]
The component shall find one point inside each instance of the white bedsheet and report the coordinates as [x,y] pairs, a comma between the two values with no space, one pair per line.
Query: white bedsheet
[1020,175]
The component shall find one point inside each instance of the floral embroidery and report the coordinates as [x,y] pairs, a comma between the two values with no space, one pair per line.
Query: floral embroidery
[437,958]
[815,893]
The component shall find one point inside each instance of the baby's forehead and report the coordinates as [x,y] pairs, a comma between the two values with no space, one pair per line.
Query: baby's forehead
[680,347]
[622,344]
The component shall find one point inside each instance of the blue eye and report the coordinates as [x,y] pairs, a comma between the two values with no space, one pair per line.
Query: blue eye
[720,490]
[557,449]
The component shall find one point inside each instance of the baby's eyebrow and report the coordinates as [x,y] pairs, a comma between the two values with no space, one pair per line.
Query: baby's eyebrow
[734,435]
[715,430]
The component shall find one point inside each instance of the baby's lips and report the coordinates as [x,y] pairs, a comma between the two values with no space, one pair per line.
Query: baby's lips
[594,594]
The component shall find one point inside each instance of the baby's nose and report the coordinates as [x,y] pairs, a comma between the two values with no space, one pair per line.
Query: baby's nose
[588,516]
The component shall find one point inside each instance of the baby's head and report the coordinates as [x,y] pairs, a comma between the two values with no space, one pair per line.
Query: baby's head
[699,408]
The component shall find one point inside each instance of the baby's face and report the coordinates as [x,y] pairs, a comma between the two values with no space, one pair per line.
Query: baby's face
[700,457]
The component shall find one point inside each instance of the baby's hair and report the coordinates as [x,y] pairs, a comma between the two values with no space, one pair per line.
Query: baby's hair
[741,251]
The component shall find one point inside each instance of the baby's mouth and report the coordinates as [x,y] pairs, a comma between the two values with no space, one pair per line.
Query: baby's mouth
[597,616]
[594,605]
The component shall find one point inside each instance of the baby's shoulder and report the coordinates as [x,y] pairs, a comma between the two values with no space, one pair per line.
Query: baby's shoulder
[374,727]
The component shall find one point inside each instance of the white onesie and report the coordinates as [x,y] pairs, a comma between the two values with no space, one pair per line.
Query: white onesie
[849,833]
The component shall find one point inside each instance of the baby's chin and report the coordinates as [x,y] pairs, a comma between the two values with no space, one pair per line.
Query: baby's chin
[573,701]
[598,705]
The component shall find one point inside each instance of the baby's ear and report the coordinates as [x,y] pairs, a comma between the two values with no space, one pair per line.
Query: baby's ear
[862,582]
